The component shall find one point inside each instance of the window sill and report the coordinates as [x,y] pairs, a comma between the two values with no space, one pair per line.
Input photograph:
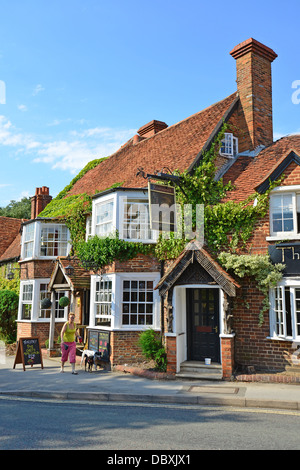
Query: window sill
[280,238]
[280,338]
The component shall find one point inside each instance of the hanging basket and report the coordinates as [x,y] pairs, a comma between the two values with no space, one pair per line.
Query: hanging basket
[64,301]
[46,303]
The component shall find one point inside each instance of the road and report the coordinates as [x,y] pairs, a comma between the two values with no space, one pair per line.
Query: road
[57,425]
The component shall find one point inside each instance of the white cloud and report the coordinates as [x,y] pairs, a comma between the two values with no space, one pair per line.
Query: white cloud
[38,88]
[71,153]
[22,107]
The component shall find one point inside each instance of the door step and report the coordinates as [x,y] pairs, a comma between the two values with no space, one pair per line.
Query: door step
[194,370]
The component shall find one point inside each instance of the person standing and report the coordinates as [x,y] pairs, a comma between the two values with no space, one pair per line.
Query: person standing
[68,345]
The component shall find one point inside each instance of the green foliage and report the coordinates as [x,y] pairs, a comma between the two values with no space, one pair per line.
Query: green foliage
[9,301]
[17,209]
[259,267]
[152,349]
[100,252]
[230,224]
[167,248]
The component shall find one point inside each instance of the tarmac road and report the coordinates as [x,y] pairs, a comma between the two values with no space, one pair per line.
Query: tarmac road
[30,424]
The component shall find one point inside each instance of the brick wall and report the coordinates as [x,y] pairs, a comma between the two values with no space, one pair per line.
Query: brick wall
[37,329]
[125,348]
[141,263]
[36,269]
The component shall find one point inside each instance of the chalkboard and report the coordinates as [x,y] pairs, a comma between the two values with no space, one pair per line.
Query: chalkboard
[28,353]
[99,341]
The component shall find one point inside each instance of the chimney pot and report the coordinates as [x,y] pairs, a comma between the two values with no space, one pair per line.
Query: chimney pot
[152,128]
[39,201]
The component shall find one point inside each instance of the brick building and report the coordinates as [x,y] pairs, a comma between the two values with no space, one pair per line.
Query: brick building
[185,299]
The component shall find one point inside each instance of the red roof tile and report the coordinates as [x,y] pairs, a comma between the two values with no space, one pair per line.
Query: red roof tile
[260,167]
[176,147]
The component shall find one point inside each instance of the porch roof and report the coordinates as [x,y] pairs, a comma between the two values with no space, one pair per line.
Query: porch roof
[201,256]
[79,279]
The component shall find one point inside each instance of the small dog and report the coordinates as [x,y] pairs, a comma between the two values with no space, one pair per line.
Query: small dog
[88,358]
[94,358]
[89,361]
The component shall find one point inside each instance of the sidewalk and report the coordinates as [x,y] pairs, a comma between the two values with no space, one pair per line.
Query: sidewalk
[100,385]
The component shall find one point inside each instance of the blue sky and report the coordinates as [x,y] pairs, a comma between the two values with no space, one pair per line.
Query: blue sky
[82,76]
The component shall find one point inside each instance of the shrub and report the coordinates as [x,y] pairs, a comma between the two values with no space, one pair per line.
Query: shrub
[9,301]
[153,349]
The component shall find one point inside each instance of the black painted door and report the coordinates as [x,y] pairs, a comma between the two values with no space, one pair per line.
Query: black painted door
[203,324]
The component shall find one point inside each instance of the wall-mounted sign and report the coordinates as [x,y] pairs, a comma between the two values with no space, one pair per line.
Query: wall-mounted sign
[288,254]
[162,205]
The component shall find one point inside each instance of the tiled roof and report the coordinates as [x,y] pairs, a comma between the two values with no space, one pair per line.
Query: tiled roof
[176,147]
[13,251]
[258,168]
[204,258]
[79,279]
[9,229]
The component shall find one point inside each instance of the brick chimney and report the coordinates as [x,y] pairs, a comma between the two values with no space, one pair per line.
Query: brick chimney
[39,201]
[254,86]
[153,127]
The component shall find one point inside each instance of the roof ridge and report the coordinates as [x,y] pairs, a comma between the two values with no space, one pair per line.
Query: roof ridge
[185,119]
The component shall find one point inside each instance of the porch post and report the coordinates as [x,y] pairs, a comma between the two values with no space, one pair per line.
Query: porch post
[52,321]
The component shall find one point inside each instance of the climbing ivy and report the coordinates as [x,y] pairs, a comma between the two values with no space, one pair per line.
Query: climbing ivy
[98,252]
[259,267]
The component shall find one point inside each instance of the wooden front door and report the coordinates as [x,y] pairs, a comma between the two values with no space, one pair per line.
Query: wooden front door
[203,324]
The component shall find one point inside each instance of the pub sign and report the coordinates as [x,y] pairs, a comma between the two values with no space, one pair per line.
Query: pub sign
[287,254]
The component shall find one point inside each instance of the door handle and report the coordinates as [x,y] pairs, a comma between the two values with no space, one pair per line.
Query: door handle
[216,329]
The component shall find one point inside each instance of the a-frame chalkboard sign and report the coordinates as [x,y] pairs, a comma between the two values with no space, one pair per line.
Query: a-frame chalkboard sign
[28,352]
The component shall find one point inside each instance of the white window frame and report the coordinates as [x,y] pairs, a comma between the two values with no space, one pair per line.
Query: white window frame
[88,231]
[105,299]
[101,227]
[132,199]
[294,192]
[117,300]
[93,303]
[48,241]
[36,241]
[24,285]
[28,239]
[278,315]
[119,199]
[36,302]
[231,147]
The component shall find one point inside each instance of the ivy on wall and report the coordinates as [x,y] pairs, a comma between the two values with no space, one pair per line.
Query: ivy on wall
[258,267]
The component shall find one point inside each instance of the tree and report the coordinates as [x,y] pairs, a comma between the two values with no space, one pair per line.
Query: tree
[17,209]
[9,301]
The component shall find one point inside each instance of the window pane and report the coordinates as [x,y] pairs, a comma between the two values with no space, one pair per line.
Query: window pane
[136,220]
[53,241]
[135,296]
[103,299]
[282,213]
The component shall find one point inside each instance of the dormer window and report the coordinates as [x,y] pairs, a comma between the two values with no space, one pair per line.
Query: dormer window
[229,145]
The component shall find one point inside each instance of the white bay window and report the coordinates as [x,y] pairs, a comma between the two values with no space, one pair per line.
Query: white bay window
[32,292]
[125,301]
[41,239]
